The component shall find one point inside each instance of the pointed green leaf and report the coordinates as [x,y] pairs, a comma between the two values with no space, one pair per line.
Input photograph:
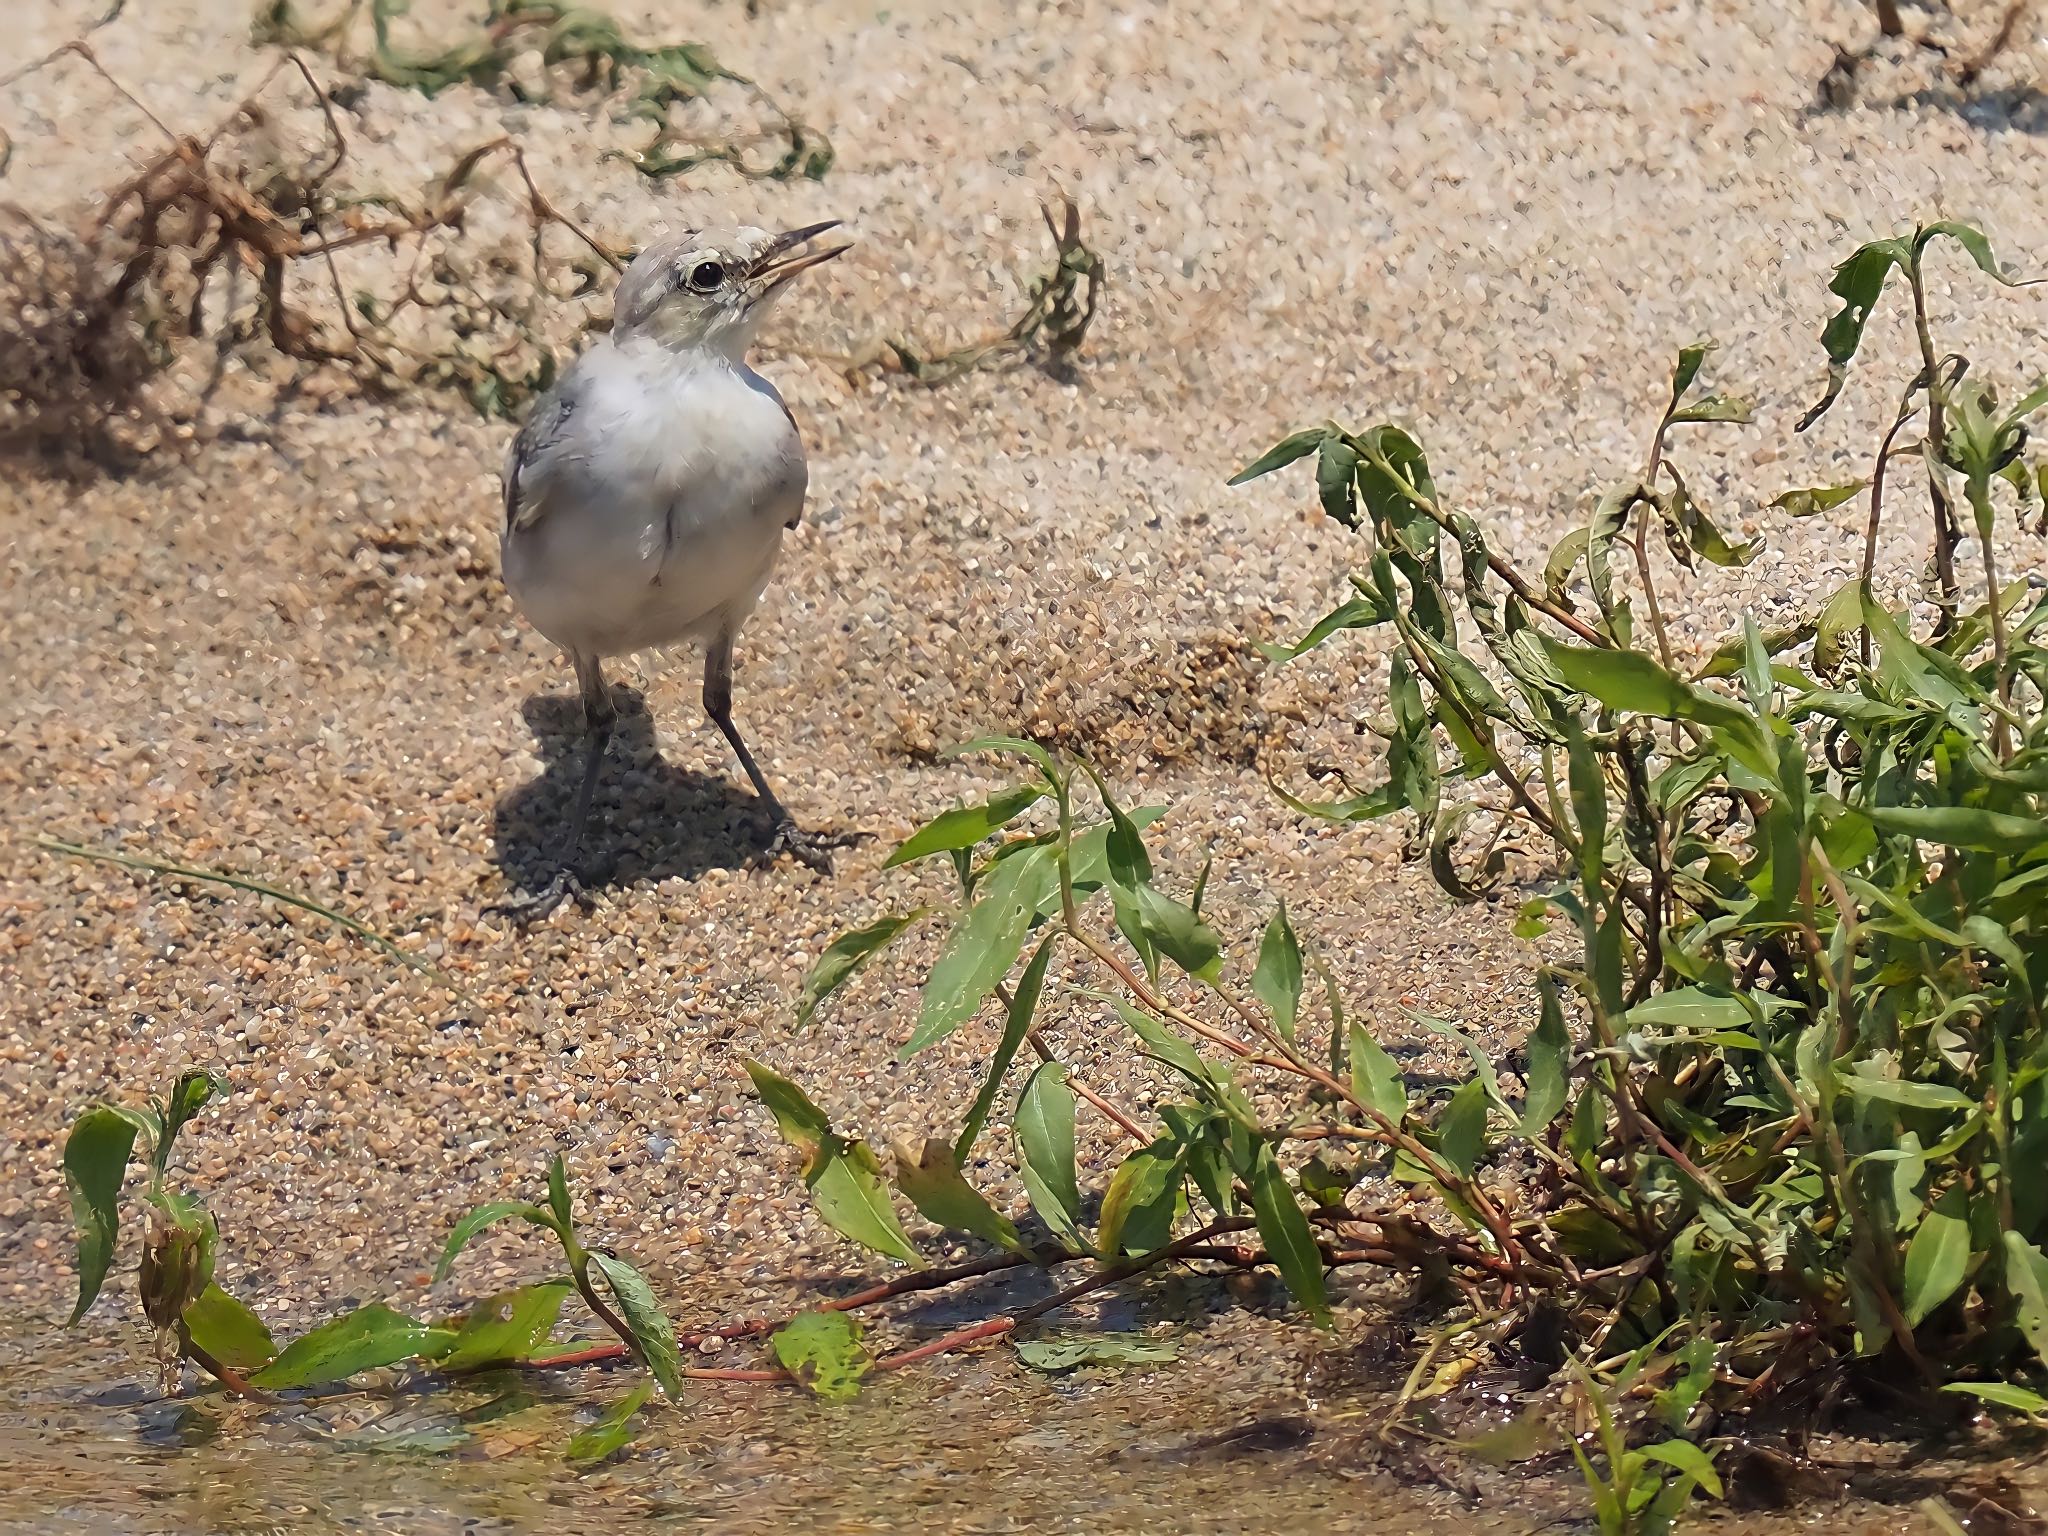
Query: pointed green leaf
[1807,500]
[1461,1128]
[1550,1059]
[1376,1076]
[484,1216]
[981,949]
[506,1327]
[844,956]
[1016,1025]
[966,825]
[2026,1278]
[228,1331]
[558,1191]
[1057,1353]
[654,1336]
[846,1186]
[1361,612]
[1277,980]
[1297,445]
[189,1095]
[361,1340]
[1177,933]
[608,1436]
[1045,1140]
[1938,1256]
[95,1162]
[2002,1393]
[823,1351]
[801,1122]
[1290,1243]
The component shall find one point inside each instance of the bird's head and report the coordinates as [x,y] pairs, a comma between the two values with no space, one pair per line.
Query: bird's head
[709,288]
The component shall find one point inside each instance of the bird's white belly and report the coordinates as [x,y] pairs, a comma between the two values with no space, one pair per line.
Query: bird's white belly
[670,525]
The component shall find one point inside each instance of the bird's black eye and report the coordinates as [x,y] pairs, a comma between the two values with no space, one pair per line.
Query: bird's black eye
[706,276]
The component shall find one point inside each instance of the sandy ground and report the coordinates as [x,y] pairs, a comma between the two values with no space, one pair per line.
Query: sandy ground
[297,662]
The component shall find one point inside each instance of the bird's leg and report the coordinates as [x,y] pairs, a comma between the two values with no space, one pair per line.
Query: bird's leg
[811,848]
[598,718]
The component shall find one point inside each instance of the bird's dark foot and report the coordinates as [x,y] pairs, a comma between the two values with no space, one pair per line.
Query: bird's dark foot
[811,848]
[531,909]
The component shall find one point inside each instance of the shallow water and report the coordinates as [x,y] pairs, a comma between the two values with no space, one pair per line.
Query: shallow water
[972,1445]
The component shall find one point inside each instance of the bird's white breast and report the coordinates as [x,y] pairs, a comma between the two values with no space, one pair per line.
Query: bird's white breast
[665,507]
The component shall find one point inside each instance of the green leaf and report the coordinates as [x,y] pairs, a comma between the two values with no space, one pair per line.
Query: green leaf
[932,1182]
[1631,681]
[1689,1459]
[1960,827]
[95,1162]
[1055,1353]
[1687,370]
[823,1351]
[1337,481]
[1696,1008]
[1138,1209]
[1298,445]
[1564,556]
[1023,1002]
[1808,500]
[1912,1094]
[508,1326]
[1045,1139]
[966,825]
[2003,1393]
[981,949]
[1857,283]
[1290,1244]
[1361,612]
[2026,1277]
[608,1436]
[1277,980]
[654,1336]
[1939,1255]
[361,1340]
[1177,933]
[1715,408]
[844,956]
[484,1216]
[846,1186]
[1550,1060]
[228,1331]
[1971,240]
[1461,1128]
[1699,532]
[1013,746]
[558,1192]
[1376,1077]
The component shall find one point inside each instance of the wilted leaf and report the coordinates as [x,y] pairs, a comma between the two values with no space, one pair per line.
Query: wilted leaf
[95,1162]
[823,1351]
[654,1336]
[609,1434]
[228,1331]
[362,1340]
[1808,500]
[844,956]
[932,1182]
[1054,1353]
[1138,1209]
[1857,283]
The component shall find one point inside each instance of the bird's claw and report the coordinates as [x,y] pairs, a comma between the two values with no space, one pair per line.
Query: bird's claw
[563,887]
[813,849]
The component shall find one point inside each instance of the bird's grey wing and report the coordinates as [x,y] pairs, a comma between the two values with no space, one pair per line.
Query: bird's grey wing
[532,463]
[794,489]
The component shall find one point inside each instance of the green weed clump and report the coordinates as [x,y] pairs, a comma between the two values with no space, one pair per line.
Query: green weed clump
[646,81]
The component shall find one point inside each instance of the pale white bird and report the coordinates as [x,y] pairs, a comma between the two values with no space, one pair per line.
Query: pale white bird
[647,494]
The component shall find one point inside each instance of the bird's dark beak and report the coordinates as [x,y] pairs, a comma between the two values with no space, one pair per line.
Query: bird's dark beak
[785,256]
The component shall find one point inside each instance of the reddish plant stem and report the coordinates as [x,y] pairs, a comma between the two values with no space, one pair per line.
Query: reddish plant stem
[902,1285]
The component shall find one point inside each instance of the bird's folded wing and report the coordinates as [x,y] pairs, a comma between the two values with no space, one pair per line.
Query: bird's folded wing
[537,455]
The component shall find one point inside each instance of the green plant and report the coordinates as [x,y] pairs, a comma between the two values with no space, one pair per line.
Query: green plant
[1783,1095]
[1637,1490]
[649,80]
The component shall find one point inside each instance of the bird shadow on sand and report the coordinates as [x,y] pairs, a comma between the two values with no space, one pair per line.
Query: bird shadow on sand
[651,820]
